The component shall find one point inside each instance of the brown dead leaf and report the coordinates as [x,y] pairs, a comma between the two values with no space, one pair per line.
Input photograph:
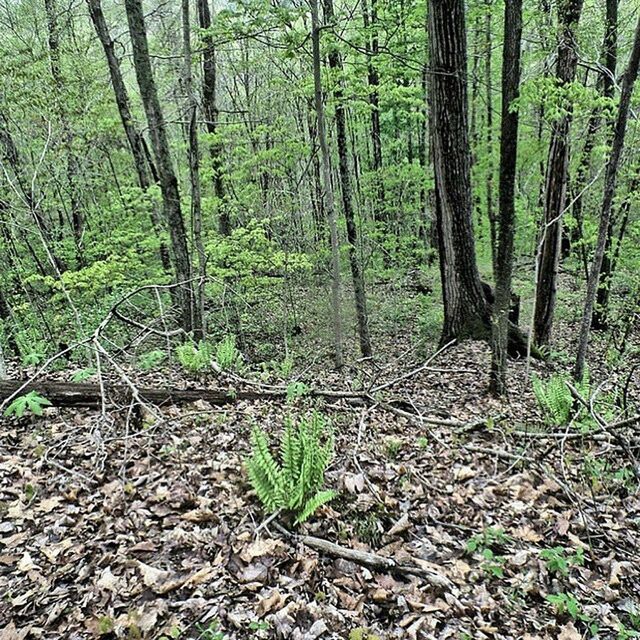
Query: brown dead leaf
[273,602]
[400,526]
[200,576]
[26,563]
[49,504]
[10,632]
[562,525]
[569,632]
[354,483]
[143,546]
[527,533]
[261,547]
[199,515]
[107,581]
[464,473]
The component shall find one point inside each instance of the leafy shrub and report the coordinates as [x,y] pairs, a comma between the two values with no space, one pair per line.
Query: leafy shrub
[558,561]
[566,603]
[195,358]
[31,402]
[294,484]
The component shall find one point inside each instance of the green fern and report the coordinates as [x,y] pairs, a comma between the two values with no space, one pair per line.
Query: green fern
[195,358]
[554,399]
[293,484]
[227,355]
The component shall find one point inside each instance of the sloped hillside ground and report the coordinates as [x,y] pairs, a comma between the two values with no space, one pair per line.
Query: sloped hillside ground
[115,529]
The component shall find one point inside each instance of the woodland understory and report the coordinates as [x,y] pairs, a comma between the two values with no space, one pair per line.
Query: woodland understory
[136,525]
[319,319]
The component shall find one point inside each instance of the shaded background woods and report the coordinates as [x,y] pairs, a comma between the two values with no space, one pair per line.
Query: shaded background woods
[325,170]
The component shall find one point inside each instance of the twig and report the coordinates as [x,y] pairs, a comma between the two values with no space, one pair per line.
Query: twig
[371,560]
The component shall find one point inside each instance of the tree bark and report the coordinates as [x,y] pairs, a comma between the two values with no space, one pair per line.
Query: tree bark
[166,173]
[72,394]
[610,262]
[327,189]
[556,179]
[134,137]
[488,81]
[506,221]
[53,40]
[607,83]
[466,312]
[610,180]
[335,63]
[199,325]
[599,319]
[372,48]
[210,112]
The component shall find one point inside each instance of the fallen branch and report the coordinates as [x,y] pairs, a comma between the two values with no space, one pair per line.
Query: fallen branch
[372,560]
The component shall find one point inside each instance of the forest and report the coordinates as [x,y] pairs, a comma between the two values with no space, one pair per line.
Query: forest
[319,319]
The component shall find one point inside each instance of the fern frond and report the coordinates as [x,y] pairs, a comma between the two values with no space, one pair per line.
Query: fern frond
[313,504]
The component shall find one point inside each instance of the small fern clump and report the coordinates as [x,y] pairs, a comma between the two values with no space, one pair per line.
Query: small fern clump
[294,483]
[228,356]
[195,358]
[554,398]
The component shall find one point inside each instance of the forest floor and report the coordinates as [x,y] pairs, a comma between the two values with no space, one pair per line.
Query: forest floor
[113,530]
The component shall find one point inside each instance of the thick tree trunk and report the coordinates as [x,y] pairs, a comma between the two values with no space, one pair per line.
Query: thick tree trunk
[610,180]
[506,219]
[134,137]
[466,311]
[327,189]
[556,179]
[210,111]
[335,63]
[160,144]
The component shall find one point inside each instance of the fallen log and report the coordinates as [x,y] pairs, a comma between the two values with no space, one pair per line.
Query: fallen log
[76,394]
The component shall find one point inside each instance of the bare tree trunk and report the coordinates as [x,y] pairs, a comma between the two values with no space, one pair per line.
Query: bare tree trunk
[601,310]
[599,319]
[506,221]
[556,179]
[488,81]
[611,175]
[134,137]
[199,326]
[466,310]
[335,62]
[160,144]
[327,190]
[210,111]
[53,39]
[372,47]
[25,187]
[607,82]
